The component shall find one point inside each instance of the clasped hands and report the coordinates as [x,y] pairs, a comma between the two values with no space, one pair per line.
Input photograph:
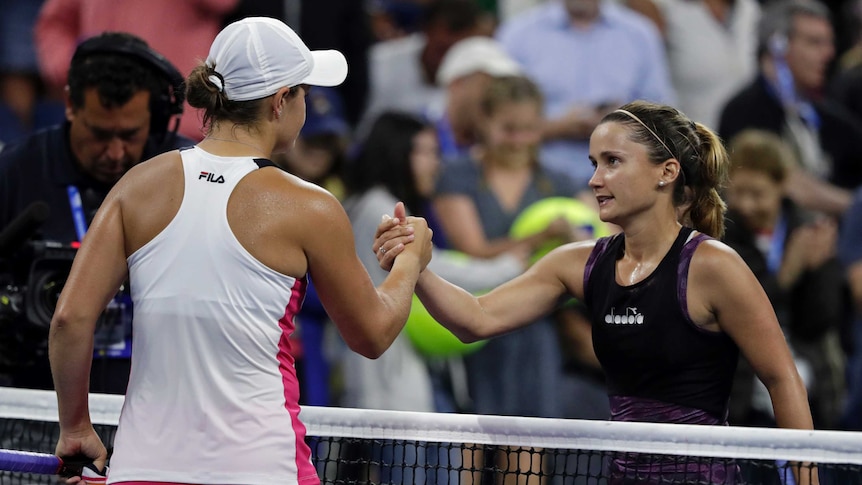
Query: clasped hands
[399,234]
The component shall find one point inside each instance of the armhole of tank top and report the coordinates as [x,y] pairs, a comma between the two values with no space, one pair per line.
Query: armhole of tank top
[261,163]
[689,247]
[131,259]
[265,162]
[600,248]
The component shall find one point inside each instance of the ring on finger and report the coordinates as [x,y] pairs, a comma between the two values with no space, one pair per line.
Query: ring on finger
[382,250]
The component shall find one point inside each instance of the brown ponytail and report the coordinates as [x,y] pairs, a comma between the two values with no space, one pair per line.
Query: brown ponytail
[707,207]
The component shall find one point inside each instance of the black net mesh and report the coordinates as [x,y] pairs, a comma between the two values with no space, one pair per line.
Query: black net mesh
[359,461]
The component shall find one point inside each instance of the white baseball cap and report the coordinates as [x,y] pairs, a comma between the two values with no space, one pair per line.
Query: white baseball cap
[476,54]
[257,56]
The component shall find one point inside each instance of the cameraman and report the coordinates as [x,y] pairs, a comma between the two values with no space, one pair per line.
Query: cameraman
[121,98]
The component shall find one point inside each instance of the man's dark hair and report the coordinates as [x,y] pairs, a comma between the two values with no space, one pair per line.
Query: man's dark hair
[455,15]
[778,17]
[116,76]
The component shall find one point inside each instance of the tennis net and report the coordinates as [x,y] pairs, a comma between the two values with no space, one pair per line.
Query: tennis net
[357,447]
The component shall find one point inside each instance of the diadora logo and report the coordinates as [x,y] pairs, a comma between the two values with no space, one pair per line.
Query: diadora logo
[211,177]
[631,317]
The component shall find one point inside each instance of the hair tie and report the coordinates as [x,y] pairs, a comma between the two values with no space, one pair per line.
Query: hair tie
[218,81]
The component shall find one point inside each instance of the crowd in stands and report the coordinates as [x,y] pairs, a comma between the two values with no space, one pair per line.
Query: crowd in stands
[470,111]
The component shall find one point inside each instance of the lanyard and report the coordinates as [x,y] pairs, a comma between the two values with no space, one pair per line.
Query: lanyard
[776,246]
[77,211]
[112,339]
[446,139]
[785,87]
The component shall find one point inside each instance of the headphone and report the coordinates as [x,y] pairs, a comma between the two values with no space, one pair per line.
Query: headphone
[166,104]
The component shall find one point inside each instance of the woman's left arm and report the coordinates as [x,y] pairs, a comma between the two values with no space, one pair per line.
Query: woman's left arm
[724,291]
[96,275]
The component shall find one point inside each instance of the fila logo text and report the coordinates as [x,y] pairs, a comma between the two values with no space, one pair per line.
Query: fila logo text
[211,177]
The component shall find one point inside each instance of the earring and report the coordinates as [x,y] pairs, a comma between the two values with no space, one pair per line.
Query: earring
[661,183]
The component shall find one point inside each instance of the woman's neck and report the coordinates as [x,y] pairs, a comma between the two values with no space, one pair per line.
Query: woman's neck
[650,239]
[233,142]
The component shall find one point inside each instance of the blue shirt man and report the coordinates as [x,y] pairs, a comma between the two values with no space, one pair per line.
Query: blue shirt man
[588,57]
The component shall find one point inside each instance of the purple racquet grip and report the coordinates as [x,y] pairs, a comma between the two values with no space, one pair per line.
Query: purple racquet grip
[28,462]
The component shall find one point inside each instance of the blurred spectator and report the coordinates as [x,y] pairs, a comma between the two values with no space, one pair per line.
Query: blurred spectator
[182,31]
[399,161]
[321,148]
[795,47]
[21,108]
[343,25]
[850,252]
[612,56]
[465,73]
[477,201]
[851,16]
[117,115]
[793,255]
[393,19]
[846,90]
[711,50]
[403,71]
[846,86]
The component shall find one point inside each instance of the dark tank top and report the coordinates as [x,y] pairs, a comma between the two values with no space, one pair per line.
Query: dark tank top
[659,365]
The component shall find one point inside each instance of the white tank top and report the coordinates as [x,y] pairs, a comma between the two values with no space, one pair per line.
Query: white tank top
[213,395]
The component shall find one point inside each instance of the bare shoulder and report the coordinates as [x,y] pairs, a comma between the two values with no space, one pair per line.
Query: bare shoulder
[567,264]
[168,163]
[275,186]
[578,251]
[718,269]
[715,257]
[152,177]
[288,203]
[159,169]
[285,222]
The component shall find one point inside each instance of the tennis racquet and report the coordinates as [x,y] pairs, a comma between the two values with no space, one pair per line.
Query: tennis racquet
[45,464]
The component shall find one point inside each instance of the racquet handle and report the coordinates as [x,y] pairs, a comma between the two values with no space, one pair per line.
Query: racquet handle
[29,462]
[46,464]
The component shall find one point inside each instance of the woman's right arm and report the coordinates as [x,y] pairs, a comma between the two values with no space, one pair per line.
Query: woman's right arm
[507,307]
[368,318]
[500,311]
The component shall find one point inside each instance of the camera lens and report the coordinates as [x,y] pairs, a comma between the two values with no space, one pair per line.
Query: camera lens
[44,291]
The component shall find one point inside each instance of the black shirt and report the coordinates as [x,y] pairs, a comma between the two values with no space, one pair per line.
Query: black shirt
[840,132]
[644,338]
[42,167]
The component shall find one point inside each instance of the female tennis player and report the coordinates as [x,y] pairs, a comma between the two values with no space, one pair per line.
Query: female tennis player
[218,245]
[670,306]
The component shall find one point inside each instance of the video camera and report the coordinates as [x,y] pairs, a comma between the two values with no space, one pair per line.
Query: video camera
[31,290]
[32,275]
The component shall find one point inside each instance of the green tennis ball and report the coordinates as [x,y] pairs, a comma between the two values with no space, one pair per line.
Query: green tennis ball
[537,216]
[432,339]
